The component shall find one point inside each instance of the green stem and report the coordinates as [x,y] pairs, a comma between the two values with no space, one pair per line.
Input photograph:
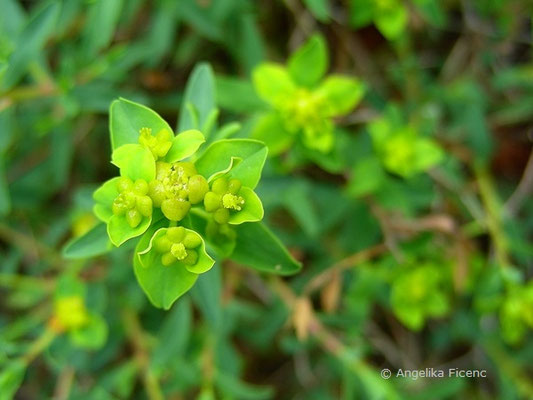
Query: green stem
[38,346]
[494,218]
[137,338]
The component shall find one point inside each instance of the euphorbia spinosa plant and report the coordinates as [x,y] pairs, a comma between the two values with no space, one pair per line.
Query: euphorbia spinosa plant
[159,186]
[182,198]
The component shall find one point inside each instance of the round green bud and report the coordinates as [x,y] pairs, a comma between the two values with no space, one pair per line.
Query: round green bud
[178,250]
[183,194]
[191,258]
[140,187]
[162,244]
[221,216]
[144,205]
[168,259]
[118,208]
[234,185]
[192,241]
[156,190]
[133,217]
[198,187]
[176,234]
[175,209]
[220,186]
[124,201]
[188,167]
[212,201]
[124,184]
[129,200]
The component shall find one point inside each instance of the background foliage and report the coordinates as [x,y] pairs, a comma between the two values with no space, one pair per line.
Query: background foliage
[413,230]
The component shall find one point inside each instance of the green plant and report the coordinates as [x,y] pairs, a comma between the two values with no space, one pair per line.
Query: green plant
[160,196]
[303,101]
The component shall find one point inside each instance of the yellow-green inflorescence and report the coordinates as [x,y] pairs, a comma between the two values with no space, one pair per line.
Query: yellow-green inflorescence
[71,312]
[302,110]
[223,199]
[159,144]
[177,186]
[133,201]
[178,245]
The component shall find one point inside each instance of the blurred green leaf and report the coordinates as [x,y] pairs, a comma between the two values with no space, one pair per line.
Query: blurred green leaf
[91,336]
[102,19]
[308,64]
[241,390]
[258,248]
[271,130]
[29,43]
[93,243]
[199,94]
[5,201]
[272,82]
[11,377]
[206,294]
[173,335]
[237,95]
[320,9]
[340,94]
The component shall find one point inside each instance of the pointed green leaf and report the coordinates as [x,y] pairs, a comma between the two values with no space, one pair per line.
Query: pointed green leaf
[219,155]
[200,94]
[309,63]
[102,18]
[93,243]
[30,42]
[184,145]
[258,248]
[126,118]
[135,162]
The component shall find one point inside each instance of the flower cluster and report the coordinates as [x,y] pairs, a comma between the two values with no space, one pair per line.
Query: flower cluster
[303,102]
[164,187]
